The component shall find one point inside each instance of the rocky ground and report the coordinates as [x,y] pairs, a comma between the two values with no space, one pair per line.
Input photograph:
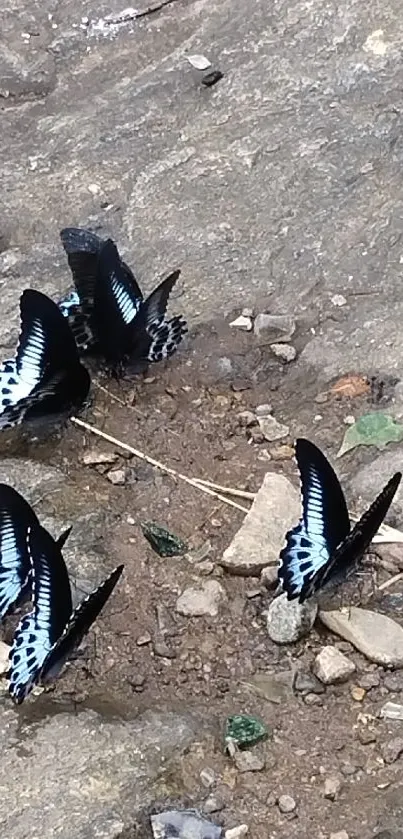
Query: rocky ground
[278,190]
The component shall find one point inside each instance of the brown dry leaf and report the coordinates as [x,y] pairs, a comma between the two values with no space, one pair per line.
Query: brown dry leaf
[350,386]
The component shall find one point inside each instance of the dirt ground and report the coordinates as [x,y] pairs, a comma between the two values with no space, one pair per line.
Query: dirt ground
[186,415]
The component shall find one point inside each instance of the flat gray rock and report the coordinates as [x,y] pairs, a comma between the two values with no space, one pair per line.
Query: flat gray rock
[378,637]
[183,824]
[81,775]
[261,537]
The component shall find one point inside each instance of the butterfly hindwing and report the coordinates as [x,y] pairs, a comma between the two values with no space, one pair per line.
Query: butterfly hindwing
[324,524]
[356,543]
[16,516]
[80,622]
[39,630]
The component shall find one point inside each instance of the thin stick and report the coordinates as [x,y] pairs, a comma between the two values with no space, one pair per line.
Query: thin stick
[239,493]
[157,463]
[390,582]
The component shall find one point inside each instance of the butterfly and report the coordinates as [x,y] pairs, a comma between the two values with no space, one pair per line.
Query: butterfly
[16,517]
[106,310]
[323,547]
[46,378]
[48,635]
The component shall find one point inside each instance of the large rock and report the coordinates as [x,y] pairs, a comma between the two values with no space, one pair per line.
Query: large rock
[288,620]
[370,478]
[261,537]
[83,776]
[378,637]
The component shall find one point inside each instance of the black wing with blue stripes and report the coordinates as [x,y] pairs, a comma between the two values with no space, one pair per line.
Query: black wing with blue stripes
[324,525]
[16,517]
[40,629]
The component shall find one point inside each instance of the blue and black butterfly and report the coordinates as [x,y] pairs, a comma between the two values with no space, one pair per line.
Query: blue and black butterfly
[323,548]
[46,378]
[16,517]
[106,310]
[47,636]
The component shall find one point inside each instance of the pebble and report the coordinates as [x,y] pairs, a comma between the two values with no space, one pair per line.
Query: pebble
[286,352]
[271,429]
[176,823]
[117,477]
[236,832]
[257,436]
[313,699]
[94,458]
[142,640]
[340,834]
[332,667]
[213,805]
[307,683]
[269,576]
[258,542]
[357,693]
[204,600]
[392,711]
[274,326]
[246,761]
[208,777]
[348,769]
[288,620]
[243,322]
[263,410]
[246,419]
[161,648]
[393,682]
[4,662]
[282,452]
[366,736]
[137,682]
[369,680]
[377,636]
[332,787]
[286,804]
[392,749]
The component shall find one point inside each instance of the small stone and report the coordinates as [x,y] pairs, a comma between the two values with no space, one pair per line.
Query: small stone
[137,682]
[393,682]
[377,636]
[117,477]
[288,620]
[272,429]
[392,711]
[199,62]
[244,730]
[274,327]
[366,736]
[208,776]
[205,600]
[332,787]
[257,436]
[332,667]
[340,834]
[247,419]
[307,683]
[94,458]
[368,681]
[357,693]
[242,322]
[286,804]
[348,769]
[162,541]
[286,352]
[392,749]
[259,540]
[161,648]
[247,312]
[263,410]
[282,452]
[142,640]
[236,832]
[213,805]
[269,576]
[182,823]
[338,300]
[4,662]
[246,761]
[313,699]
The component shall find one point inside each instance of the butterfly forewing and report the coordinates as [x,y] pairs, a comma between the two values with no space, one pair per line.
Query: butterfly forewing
[324,524]
[40,629]
[16,516]
[356,543]
[116,305]
[80,622]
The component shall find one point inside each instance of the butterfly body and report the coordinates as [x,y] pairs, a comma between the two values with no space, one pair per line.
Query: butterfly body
[113,319]
[322,549]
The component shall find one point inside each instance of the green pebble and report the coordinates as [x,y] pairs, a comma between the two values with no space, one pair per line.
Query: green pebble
[162,541]
[245,730]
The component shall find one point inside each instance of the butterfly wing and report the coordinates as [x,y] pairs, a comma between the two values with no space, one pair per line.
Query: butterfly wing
[115,307]
[39,630]
[324,524]
[356,543]
[80,622]
[16,516]
[48,374]
[153,336]
[167,338]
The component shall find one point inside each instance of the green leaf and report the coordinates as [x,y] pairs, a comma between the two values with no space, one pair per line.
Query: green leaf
[244,730]
[371,430]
